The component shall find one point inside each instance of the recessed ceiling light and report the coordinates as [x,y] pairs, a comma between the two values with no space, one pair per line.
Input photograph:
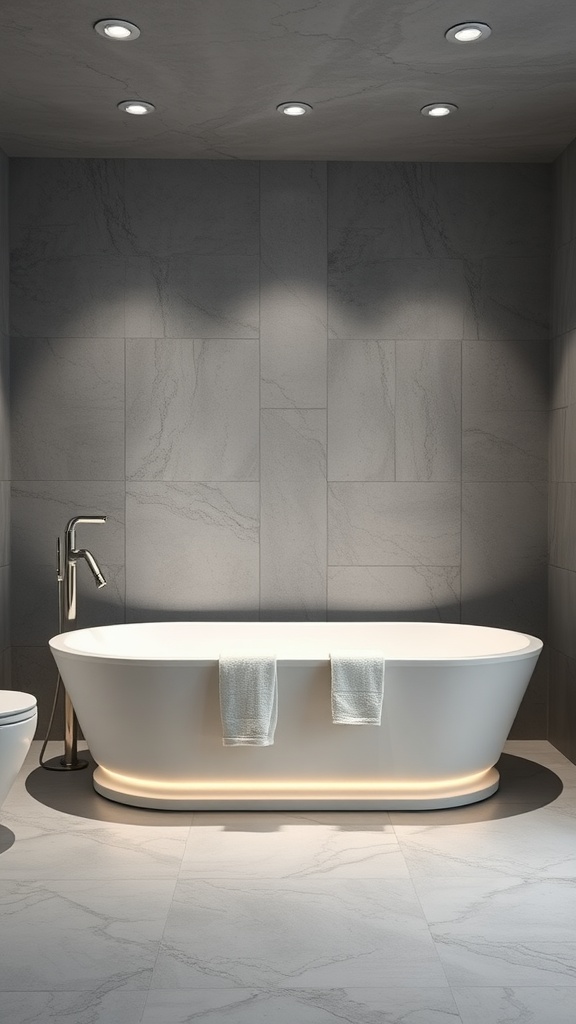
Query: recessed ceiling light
[438,109]
[136,107]
[468,32]
[294,109]
[115,28]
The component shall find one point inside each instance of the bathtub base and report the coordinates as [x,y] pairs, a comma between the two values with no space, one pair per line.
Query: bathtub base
[278,796]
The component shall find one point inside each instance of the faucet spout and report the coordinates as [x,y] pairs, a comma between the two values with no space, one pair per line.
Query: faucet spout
[93,565]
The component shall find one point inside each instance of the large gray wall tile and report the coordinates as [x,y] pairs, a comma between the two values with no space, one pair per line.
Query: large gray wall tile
[503,522]
[394,524]
[504,555]
[531,722]
[40,511]
[505,376]
[6,669]
[508,299]
[293,527]
[563,370]
[361,424]
[562,454]
[396,299]
[4,522]
[561,519]
[562,444]
[192,297]
[428,410]
[80,297]
[561,604]
[192,206]
[192,409]
[402,210]
[293,315]
[192,551]
[563,291]
[4,607]
[5,467]
[4,246]
[419,593]
[34,671]
[504,446]
[68,408]
[562,704]
[5,663]
[504,403]
[66,207]
[565,197]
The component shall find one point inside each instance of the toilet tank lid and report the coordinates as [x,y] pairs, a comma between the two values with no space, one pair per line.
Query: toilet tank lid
[14,701]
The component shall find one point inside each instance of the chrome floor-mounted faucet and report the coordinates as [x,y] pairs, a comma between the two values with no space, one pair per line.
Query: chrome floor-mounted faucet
[68,607]
[71,556]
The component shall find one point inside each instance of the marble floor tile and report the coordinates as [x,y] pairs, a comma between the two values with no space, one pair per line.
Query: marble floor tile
[515,1005]
[538,750]
[538,844]
[495,931]
[303,1006]
[289,846]
[91,850]
[142,917]
[76,936]
[94,1007]
[310,933]
[500,909]
[492,963]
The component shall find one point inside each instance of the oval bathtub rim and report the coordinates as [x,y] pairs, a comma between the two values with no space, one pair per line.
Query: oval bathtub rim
[58,643]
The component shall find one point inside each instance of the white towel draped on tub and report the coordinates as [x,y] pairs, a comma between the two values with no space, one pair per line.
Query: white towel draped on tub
[357,687]
[248,700]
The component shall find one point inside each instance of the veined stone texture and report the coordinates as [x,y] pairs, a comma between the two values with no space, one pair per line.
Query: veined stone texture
[562,457]
[5,469]
[300,390]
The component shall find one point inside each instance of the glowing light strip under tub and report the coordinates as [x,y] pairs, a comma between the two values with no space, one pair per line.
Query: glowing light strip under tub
[130,783]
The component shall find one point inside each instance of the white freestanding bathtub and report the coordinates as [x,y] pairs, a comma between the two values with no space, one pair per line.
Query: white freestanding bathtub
[146,696]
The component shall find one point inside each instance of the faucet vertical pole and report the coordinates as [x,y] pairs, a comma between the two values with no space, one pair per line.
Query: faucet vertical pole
[69,609]
[67,614]
[70,759]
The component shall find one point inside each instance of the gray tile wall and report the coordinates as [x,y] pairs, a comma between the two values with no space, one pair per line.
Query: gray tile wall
[300,391]
[5,674]
[562,451]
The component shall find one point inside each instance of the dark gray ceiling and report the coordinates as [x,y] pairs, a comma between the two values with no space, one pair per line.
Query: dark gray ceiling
[215,69]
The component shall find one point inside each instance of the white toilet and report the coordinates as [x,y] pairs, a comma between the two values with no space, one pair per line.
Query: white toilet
[18,717]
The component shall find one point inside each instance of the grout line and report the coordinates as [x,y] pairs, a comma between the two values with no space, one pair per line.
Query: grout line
[126,264]
[125,428]
[461,461]
[260,389]
[455,481]
[327,456]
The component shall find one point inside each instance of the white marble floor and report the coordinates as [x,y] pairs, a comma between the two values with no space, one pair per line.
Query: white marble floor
[110,915]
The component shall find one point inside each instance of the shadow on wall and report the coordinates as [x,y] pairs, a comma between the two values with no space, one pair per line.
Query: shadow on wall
[448,299]
[141,297]
[515,606]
